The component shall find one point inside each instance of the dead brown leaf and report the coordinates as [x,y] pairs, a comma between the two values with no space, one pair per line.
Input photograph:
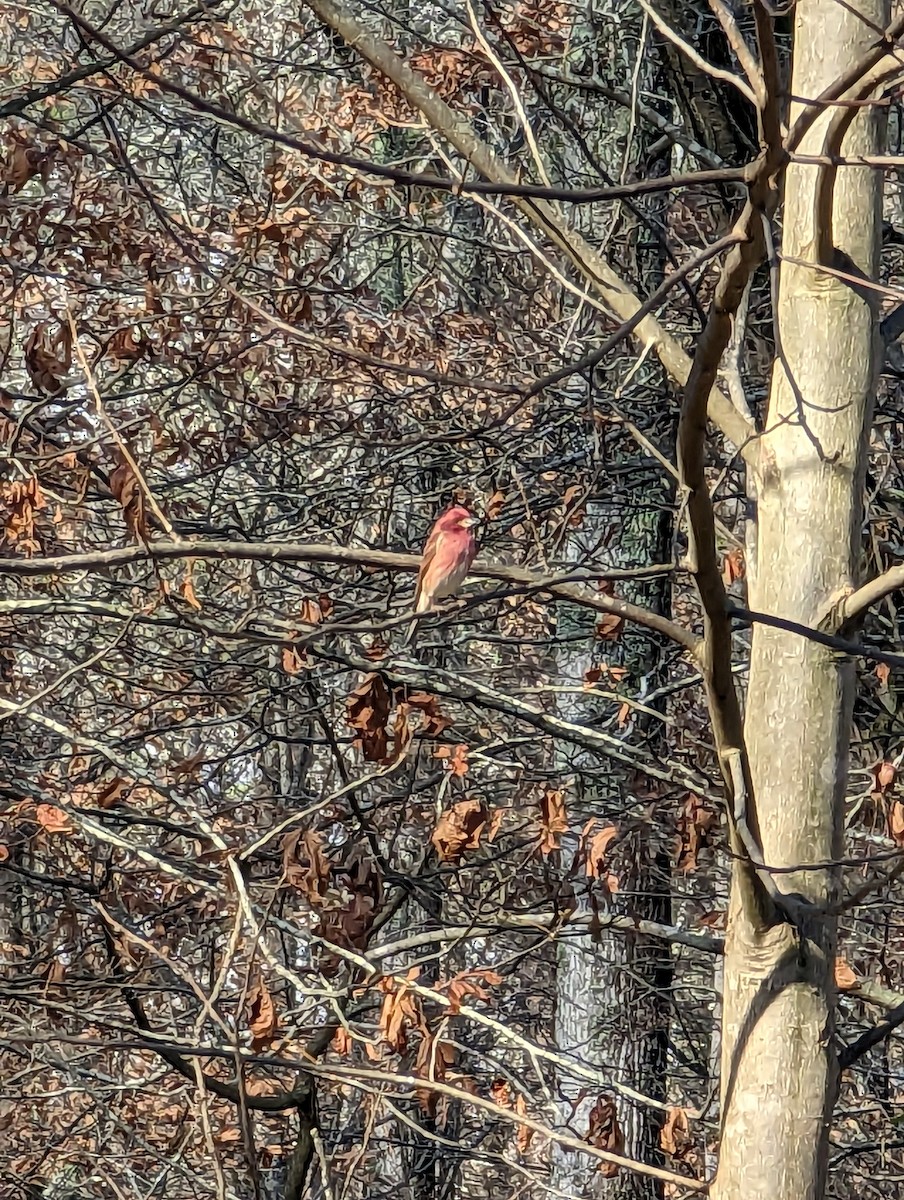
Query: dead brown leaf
[846,977]
[262,1021]
[459,829]
[733,566]
[22,161]
[434,1057]
[188,589]
[342,1042]
[305,865]
[525,1133]
[434,722]
[467,983]
[605,1133]
[293,659]
[674,1137]
[553,820]
[495,505]
[125,487]
[367,712]
[884,775]
[495,825]
[400,1011]
[48,356]
[696,824]
[609,627]
[896,822]
[457,757]
[22,499]
[53,819]
[594,846]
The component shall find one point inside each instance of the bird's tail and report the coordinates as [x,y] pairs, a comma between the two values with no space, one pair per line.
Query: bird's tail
[422,605]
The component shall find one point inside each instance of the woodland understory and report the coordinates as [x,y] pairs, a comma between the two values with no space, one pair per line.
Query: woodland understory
[592,889]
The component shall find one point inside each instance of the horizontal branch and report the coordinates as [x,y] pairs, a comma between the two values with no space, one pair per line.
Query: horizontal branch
[559,924]
[872,1037]
[321,552]
[564,586]
[17,105]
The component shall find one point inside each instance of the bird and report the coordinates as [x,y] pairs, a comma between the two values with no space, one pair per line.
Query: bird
[446,560]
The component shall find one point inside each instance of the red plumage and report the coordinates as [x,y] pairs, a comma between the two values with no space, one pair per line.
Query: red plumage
[448,554]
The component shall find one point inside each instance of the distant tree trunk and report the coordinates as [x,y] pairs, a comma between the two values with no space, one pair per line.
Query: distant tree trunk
[612,992]
[778,1068]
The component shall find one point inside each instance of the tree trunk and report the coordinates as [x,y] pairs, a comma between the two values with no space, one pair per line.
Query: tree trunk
[778,1066]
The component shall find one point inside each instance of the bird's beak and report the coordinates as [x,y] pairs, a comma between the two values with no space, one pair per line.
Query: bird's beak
[469,522]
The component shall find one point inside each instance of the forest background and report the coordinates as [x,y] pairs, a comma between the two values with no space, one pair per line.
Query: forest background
[591,890]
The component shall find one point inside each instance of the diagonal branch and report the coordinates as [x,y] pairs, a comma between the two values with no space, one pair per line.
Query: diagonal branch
[469,690]
[857,603]
[616,294]
[872,1037]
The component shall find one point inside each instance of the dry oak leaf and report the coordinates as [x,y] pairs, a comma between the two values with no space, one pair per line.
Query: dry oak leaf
[465,984]
[846,978]
[674,1137]
[188,589]
[884,775]
[525,1133]
[733,567]
[22,499]
[314,612]
[896,822]
[433,1059]
[305,865]
[553,820]
[609,627]
[127,490]
[696,823]
[604,1132]
[495,505]
[21,162]
[402,731]
[367,712]
[101,793]
[399,1011]
[434,722]
[594,846]
[342,1042]
[459,829]
[48,356]
[457,756]
[292,659]
[53,819]
[262,1021]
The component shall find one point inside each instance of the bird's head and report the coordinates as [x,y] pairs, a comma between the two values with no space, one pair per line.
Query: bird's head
[456,519]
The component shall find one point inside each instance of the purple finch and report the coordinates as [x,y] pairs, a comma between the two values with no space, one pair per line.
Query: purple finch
[448,554]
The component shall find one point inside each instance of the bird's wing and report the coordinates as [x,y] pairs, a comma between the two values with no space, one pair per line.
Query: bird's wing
[430,549]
